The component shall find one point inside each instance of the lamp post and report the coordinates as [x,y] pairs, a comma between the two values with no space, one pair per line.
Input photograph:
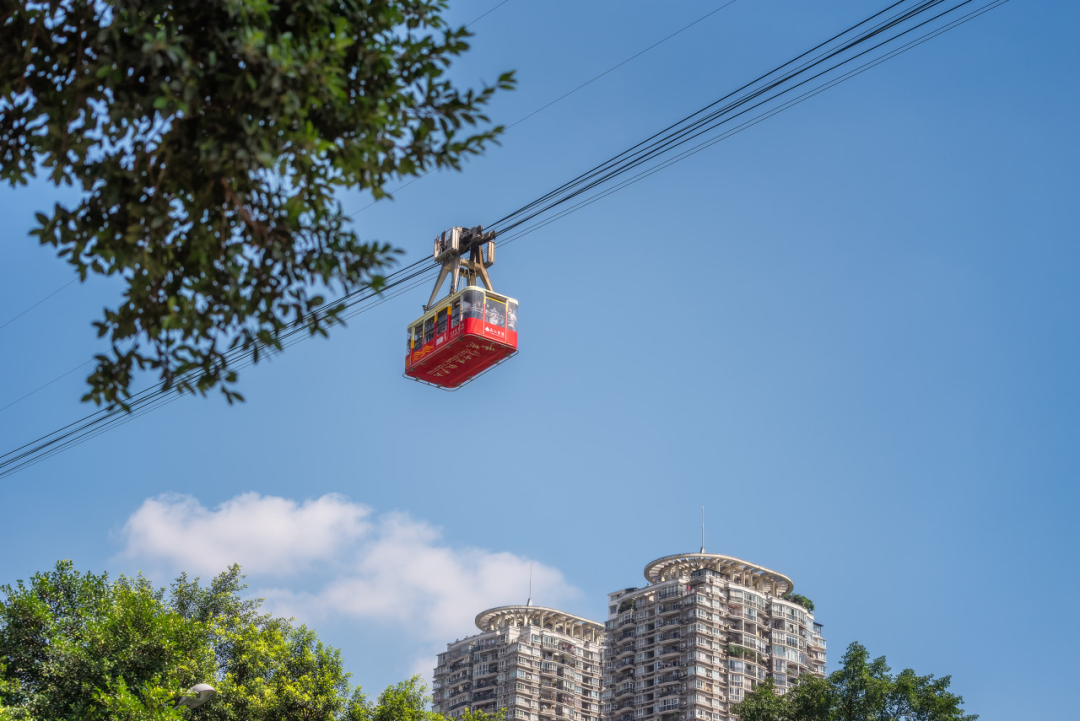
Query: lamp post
[196,696]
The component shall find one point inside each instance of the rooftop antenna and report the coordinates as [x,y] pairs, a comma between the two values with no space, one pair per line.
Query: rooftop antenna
[703,529]
[529,603]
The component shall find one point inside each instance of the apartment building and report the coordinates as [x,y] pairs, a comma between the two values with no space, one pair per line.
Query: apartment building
[540,664]
[703,633]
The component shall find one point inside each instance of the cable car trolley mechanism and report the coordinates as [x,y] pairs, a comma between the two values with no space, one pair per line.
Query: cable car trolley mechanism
[469,331]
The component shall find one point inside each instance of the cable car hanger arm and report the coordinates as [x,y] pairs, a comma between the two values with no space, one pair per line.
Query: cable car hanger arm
[463,251]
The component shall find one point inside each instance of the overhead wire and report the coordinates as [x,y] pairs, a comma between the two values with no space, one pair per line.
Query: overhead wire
[604,165]
[153,404]
[43,386]
[680,133]
[507,239]
[154,397]
[567,94]
[419,271]
[14,318]
[320,310]
[484,15]
[615,67]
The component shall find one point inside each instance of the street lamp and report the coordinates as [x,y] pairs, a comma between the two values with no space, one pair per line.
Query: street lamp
[196,696]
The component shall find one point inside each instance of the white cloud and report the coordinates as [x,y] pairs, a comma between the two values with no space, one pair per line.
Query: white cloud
[387,570]
[265,534]
[405,574]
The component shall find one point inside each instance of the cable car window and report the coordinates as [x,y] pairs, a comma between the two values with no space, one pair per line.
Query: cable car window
[442,321]
[511,316]
[429,329]
[408,341]
[496,313]
[472,302]
[455,313]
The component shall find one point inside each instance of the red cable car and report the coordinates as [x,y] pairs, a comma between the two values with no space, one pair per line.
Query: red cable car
[471,330]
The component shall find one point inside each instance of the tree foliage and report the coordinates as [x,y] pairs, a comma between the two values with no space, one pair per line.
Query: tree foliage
[861,690]
[81,647]
[801,600]
[209,140]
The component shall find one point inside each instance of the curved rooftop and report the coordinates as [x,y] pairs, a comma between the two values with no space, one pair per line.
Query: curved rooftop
[737,570]
[549,618]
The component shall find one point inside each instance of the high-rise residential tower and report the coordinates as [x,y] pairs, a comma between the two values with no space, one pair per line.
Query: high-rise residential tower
[705,631]
[539,664]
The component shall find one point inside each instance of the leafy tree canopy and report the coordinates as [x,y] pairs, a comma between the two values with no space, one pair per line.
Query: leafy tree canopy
[82,647]
[801,600]
[861,690]
[209,140]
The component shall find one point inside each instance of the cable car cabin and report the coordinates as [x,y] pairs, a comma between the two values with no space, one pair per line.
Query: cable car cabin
[462,336]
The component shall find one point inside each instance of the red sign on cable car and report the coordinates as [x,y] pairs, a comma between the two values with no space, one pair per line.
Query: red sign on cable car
[469,331]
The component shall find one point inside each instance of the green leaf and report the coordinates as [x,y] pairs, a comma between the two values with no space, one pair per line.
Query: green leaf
[253,129]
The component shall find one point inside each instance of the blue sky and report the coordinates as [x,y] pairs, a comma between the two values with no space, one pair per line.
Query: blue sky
[849,332]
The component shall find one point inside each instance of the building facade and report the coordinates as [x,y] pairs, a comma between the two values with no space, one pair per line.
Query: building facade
[539,664]
[703,632]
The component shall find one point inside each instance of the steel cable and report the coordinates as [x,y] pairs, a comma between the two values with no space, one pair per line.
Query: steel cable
[672,137]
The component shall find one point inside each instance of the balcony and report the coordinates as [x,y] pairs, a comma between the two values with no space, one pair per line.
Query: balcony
[675,591]
[670,677]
